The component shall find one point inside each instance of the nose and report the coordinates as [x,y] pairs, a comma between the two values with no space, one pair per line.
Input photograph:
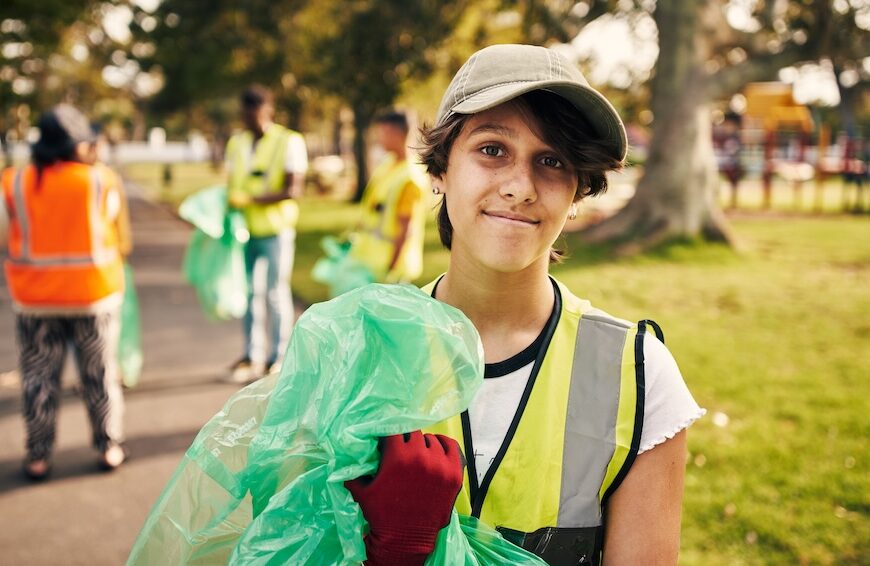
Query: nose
[519,184]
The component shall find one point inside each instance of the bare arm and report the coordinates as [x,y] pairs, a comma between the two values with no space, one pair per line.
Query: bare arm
[122,223]
[643,515]
[401,236]
[292,189]
[403,220]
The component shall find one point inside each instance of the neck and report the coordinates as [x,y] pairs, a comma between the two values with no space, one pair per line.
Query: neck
[499,303]
[400,153]
[260,130]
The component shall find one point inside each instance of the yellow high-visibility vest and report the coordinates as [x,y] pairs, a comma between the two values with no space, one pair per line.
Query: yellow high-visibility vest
[374,245]
[262,172]
[574,437]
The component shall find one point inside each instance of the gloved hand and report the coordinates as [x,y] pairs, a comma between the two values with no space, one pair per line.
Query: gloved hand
[410,498]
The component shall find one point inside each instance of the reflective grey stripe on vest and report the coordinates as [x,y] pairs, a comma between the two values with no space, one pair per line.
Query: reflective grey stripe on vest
[97,257]
[21,215]
[593,400]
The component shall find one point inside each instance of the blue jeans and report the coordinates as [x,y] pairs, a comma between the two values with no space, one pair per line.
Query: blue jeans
[276,252]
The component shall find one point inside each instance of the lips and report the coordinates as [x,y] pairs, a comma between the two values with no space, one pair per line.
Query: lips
[512,217]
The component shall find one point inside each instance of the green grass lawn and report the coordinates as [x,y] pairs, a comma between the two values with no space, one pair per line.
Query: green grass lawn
[185,178]
[773,341]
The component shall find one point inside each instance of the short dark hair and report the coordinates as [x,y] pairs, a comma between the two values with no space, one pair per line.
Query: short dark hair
[561,126]
[393,118]
[256,96]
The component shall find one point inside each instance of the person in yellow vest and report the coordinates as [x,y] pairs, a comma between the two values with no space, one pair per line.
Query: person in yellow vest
[390,236]
[65,276]
[266,168]
[576,442]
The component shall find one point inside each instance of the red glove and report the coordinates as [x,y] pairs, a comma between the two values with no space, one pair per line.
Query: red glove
[410,498]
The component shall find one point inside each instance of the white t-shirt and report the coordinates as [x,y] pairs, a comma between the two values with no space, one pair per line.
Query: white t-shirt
[668,404]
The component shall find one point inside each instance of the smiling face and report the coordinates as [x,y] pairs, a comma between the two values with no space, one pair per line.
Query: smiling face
[508,192]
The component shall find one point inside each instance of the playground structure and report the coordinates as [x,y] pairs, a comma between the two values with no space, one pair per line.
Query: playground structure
[776,136]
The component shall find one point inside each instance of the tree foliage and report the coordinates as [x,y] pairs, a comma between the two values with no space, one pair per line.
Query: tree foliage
[362,52]
[30,33]
[367,54]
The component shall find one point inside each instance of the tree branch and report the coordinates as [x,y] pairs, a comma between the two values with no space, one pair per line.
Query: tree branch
[731,79]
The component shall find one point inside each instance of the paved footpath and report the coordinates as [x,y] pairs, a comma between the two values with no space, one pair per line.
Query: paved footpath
[82,516]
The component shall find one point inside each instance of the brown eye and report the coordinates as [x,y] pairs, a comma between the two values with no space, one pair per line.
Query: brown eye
[551,161]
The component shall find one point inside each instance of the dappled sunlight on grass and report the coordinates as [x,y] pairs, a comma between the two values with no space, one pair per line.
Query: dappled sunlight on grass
[774,337]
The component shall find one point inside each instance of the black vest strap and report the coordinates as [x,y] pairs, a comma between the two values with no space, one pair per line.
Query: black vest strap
[656,328]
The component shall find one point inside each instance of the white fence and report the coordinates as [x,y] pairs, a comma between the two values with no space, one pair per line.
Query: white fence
[140,152]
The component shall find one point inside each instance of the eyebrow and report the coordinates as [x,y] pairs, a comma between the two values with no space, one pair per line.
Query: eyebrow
[495,129]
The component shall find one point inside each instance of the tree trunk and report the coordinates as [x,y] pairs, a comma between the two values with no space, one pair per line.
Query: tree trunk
[361,119]
[676,195]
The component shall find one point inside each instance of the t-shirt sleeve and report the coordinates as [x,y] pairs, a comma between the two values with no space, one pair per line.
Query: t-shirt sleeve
[668,405]
[296,160]
[411,194]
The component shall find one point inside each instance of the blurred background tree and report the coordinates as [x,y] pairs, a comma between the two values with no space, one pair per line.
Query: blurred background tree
[708,51]
[181,64]
[30,33]
[363,52]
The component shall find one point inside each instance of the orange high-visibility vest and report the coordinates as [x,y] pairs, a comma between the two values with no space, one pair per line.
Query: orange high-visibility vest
[63,246]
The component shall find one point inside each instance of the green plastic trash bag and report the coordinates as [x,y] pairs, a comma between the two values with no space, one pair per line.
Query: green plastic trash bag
[338,270]
[130,341]
[206,209]
[214,262]
[263,482]
[478,544]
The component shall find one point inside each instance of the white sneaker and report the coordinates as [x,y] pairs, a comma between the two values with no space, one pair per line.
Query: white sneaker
[244,371]
[114,456]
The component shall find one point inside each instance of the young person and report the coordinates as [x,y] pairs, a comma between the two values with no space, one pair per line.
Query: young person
[576,442]
[393,207]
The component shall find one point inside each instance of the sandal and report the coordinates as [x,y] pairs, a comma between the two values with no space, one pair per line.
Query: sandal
[36,470]
[113,457]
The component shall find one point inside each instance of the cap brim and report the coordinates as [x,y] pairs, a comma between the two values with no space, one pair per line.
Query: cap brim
[595,108]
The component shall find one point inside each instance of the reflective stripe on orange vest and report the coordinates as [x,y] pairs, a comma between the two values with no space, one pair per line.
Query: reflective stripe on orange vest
[99,254]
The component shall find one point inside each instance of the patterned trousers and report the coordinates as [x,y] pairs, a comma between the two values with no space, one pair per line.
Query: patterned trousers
[43,342]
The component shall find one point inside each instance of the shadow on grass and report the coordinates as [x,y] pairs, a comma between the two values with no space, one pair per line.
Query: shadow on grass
[677,250]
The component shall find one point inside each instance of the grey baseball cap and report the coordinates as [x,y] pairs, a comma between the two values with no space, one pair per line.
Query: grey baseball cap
[64,125]
[499,73]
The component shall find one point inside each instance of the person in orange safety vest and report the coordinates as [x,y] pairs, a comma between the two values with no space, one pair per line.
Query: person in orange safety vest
[65,275]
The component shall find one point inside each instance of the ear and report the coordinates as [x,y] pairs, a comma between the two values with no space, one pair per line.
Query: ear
[437,183]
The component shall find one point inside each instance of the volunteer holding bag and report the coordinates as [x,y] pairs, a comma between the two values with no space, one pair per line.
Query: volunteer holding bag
[576,442]
[266,171]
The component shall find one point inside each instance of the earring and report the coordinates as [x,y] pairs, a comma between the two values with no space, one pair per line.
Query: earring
[572,214]
[436,191]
